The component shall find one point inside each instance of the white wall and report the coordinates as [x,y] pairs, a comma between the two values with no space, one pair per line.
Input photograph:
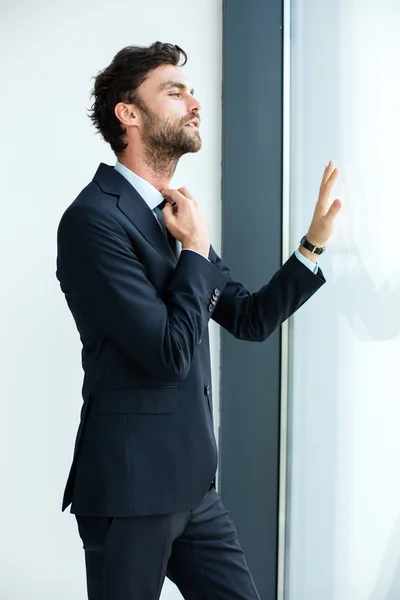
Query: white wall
[49,52]
[343,538]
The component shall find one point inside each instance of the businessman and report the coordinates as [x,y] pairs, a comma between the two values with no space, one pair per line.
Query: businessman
[142,282]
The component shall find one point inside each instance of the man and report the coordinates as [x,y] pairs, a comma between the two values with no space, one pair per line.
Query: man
[142,478]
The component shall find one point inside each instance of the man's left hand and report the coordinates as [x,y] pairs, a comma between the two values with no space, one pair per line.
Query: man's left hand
[325,212]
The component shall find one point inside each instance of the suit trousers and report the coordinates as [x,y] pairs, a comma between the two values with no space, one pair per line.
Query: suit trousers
[127,558]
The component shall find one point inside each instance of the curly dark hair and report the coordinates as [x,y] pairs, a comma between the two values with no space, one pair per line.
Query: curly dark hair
[119,82]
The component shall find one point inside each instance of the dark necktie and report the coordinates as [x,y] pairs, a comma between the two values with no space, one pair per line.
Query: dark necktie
[168,237]
[160,219]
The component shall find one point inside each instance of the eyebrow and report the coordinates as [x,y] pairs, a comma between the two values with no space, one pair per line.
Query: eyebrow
[177,84]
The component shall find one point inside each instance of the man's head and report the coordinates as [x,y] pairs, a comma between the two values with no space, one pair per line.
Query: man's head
[143,102]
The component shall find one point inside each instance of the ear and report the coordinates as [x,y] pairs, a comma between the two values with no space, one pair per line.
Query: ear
[127,114]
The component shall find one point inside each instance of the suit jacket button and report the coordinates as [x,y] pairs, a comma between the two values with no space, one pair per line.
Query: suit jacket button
[214,301]
[217,292]
[210,308]
[207,389]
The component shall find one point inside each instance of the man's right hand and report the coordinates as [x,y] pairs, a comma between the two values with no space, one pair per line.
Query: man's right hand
[186,221]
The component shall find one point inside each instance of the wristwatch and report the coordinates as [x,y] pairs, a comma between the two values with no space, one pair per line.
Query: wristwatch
[314,249]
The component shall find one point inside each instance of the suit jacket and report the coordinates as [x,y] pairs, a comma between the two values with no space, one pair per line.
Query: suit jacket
[145,444]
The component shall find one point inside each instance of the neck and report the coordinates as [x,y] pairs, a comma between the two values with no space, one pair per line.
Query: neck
[156,171]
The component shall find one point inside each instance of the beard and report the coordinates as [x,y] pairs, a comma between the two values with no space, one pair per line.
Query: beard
[166,140]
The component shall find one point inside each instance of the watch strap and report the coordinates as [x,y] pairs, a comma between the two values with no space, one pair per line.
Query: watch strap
[310,247]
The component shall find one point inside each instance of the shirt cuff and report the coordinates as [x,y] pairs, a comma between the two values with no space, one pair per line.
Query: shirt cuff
[307,262]
[190,250]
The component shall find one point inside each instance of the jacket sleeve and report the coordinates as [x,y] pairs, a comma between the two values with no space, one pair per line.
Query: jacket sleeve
[253,317]
[97,265]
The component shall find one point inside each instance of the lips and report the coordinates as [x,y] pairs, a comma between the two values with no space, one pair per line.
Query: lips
[193,124]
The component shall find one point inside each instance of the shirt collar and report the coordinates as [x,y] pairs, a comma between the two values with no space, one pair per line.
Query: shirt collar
[148,192]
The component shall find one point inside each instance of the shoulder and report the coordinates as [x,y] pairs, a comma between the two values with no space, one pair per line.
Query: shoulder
[91,206]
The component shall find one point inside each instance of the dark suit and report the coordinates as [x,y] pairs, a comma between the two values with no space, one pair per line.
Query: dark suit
[145,444]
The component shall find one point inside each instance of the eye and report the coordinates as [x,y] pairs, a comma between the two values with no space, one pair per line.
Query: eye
[175,94]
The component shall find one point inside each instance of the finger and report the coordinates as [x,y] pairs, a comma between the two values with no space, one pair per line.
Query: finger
[173,196]
[168,213]
[333,176]
[330,182]
[329,175]
[324,199]
[185,192]
[328,171]
[325,175]
[166,202]
[334,210]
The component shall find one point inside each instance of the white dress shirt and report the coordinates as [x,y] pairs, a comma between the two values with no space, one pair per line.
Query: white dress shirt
[153,198]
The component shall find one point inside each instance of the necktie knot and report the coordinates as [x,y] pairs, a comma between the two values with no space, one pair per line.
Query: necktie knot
[162,204]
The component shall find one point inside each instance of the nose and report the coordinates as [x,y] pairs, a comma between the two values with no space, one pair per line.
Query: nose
[194,105]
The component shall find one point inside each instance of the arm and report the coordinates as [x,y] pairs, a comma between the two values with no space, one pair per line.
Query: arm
[253,317]
[98,267]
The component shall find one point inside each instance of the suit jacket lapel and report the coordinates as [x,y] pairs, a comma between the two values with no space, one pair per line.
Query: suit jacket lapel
[135,208]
